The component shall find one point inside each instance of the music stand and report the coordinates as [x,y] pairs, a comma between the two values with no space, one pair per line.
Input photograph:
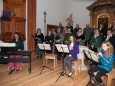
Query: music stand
[64,49]
[44,47]
[90,54]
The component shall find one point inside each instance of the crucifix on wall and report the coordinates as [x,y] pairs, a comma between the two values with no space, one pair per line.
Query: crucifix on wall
[45,22]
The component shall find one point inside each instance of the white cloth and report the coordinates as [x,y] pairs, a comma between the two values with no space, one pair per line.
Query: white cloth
[71,45]
[108,37]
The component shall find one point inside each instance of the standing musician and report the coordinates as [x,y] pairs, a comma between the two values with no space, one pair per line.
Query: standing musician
[19,44]
[74,50]
[106,59]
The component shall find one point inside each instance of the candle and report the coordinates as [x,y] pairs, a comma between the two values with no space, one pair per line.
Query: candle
[94,26]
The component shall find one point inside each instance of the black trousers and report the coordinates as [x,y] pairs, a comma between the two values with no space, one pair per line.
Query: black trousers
[100,73]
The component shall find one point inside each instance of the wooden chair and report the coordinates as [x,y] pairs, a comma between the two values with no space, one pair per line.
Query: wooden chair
[78,65]
[51,57]
[110,77]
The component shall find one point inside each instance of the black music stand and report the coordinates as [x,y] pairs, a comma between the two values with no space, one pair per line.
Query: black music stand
[64,49]
[92,62]
[44,47]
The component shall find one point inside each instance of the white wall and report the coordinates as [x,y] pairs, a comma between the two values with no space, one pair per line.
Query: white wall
[59,10]
[55,12]
[79,11]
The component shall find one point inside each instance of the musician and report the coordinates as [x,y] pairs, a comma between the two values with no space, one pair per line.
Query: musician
[74,50]
[106,59]
[19,43]
[49,39]
[39,39]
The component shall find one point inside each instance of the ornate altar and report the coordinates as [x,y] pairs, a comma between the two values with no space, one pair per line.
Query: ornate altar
[102,11]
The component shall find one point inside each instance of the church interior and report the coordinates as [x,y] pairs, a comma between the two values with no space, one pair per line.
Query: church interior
[57,42]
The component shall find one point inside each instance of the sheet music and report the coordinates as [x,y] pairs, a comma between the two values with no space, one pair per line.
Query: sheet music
[47,46]
[92,55]
[44,46]
[62,48]
[59,47]
[41,46]
[65,48]
[7,45]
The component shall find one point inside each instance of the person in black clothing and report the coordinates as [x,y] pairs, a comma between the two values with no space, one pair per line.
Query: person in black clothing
[39,39]
[113,26]
[69,26]
[80,37]
[76,29]
[111,37]
[49,39]
[20,46]
[61,27]
[103,31]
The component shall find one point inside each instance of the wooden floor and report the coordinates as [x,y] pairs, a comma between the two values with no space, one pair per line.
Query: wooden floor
[47,78]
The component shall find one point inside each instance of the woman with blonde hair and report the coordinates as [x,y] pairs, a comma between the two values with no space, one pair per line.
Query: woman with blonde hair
[106,59]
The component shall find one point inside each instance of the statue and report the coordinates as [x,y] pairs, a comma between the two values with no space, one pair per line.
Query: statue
[69,20]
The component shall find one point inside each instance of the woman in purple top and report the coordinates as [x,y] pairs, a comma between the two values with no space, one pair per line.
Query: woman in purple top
[74,50]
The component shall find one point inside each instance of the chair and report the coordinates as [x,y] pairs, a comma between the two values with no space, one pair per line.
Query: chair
[51,57]
[77,65]
[110,76]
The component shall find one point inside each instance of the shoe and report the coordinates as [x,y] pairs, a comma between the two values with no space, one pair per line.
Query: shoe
[70,74]
[101,84]
[11,71]
[95,81]
[17,70]
[63,73]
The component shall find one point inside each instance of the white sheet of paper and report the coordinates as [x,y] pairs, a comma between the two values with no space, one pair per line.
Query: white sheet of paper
[91,55]
[59,47]
[46,46]
[7,45]
[41,46]
[65,48]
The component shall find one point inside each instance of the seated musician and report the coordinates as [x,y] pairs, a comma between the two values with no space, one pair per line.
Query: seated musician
[106,59]
[49,39]
[39,38]
[19,43]
[74,50]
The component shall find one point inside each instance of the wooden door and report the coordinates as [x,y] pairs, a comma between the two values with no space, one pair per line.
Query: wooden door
[17,7]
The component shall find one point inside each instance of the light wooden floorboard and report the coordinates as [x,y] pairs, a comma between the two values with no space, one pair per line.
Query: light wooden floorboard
[47,78]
